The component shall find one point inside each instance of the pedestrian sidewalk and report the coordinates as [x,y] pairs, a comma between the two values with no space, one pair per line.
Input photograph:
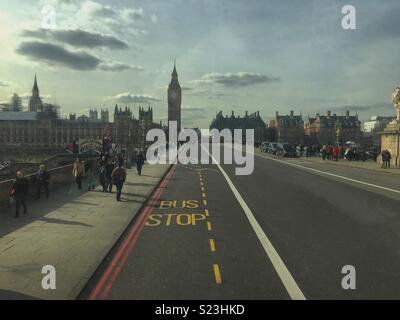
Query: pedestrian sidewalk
[72,231]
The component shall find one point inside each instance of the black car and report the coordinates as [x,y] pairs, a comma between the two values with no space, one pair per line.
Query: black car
[286,150]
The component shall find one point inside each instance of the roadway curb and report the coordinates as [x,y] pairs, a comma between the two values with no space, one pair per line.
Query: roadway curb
[77,292]
[392,170]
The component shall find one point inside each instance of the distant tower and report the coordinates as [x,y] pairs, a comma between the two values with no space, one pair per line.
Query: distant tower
[174,99]
[16,103]
[35,102]
[93,115]
[105,116]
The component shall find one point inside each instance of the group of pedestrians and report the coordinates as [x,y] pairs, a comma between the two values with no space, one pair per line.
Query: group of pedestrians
[21,185]
[111,172]
[330,152]
[109,169]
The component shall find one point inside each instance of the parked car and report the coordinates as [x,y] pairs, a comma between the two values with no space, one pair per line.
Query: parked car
[263,146]
[286,150]
[271,148]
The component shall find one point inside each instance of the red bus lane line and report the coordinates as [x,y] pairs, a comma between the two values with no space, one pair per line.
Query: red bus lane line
[125,257]
[121,250]
[132,243]
[112,265]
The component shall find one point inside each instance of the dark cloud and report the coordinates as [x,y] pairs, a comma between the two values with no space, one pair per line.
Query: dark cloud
[240,79]
[58,55]
[118,66]
[132,98]
[77,38]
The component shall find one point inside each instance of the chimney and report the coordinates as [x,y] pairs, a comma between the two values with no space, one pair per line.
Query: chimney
[233,113]
[347,113]
[277,113]
[329,113]
[246,114]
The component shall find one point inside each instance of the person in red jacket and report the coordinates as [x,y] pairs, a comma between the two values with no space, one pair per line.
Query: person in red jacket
[336,152]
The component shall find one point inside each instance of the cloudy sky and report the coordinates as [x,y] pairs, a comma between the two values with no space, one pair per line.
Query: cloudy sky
[236,55]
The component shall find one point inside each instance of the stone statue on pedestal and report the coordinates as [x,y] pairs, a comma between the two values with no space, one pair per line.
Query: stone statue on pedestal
[390,136]
[396,103]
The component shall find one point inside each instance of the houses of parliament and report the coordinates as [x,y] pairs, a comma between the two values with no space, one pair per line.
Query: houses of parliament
[42,126]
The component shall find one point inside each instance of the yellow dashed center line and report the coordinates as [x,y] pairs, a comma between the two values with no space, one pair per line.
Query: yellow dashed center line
[217,274]
[212,245]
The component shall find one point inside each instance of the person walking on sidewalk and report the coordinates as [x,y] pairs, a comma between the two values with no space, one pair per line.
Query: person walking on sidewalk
[102,177]
[323,153]
[384,159]
[388,158]
[78,172]
[118,177]
[108,170]
[42,179]
[139,164]
[20,191]
[336,152]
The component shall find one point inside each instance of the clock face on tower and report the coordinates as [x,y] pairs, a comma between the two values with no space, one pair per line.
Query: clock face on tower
[174,95]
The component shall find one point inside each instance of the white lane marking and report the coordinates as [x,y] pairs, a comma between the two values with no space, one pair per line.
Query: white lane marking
[290,284]
[329,174]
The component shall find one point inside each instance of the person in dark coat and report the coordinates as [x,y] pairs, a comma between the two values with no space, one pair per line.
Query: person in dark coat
[139,164]
[20,191]
[42,179]
[109,167]
[388,158]
[119,176]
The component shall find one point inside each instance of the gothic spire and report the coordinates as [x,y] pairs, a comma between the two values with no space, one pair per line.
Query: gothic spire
[35,89]
[174,73]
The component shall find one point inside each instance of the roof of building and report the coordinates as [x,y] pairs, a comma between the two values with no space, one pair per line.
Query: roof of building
[253,120]
[343,121]
[18,116]
[290,120]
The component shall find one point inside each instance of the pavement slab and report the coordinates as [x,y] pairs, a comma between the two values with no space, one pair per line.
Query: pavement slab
[72,231]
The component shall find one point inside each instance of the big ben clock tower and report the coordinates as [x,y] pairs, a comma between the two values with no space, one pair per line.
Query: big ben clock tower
[174,99]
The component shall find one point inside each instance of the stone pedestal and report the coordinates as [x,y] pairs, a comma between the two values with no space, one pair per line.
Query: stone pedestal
[390,140]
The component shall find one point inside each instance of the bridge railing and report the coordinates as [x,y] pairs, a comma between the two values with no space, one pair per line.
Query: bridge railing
[59,176]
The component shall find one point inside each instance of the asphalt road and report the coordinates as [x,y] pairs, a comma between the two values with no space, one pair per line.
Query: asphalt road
[284,232]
